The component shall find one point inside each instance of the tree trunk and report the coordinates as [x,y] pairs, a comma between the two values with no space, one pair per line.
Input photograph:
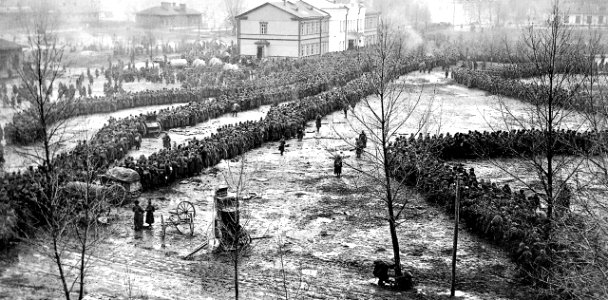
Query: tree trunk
[66,291]
[394,239]
[83,251]
[389,192]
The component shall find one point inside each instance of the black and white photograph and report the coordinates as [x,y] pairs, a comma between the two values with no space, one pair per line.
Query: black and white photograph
[304,149]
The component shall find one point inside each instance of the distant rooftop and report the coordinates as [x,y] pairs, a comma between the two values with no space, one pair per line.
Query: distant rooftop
[325,4]
[298,9]
[8,45]
[169,9]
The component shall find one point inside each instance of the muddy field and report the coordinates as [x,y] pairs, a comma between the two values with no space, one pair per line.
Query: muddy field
[323,232]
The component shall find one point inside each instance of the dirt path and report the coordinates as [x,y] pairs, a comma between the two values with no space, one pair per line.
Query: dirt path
[199,131]
[78,128]
[329,231]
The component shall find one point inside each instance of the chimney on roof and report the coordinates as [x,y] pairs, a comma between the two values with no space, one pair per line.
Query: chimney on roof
[174,4]
[165,5]
[182,7]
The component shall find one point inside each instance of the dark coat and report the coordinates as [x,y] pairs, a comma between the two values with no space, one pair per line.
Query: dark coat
[150,214]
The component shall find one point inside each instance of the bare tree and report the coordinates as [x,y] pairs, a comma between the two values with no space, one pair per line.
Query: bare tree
[235,239]
[69,223]
[42,67]
[591,184]
[569,97]
[391,110]
[547,48]
[233,8]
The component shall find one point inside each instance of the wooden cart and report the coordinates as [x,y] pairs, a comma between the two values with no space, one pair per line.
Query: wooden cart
[125,184]
[182,218]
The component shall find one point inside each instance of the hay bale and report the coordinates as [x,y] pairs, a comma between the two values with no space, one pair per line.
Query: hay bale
[123,174]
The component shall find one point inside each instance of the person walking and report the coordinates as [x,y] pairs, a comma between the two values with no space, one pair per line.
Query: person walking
[150,213]
[138,216]
[300,133]
[338,165]
[282,145]
[166,141]
[358,147]
[137,141]
[363,139]
[318,122]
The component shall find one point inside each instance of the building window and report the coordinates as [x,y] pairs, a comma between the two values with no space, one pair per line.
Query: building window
[566,19]
[302,28]
[301,51]
[578,19]
[600,19]
[589,19]
[263,27]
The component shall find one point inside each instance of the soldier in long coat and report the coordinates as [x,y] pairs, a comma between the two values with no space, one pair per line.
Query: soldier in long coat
[318,122]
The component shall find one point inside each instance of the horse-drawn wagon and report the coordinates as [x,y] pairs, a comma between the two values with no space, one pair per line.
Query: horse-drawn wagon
[114,189]
[126,178]
[153,126]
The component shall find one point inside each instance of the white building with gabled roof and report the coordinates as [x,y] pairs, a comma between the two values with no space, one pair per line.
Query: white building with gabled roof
[283,29]
[339,12]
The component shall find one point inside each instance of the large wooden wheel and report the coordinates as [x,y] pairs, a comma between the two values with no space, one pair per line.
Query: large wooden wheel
[185,210]
[184,225]
[116,194]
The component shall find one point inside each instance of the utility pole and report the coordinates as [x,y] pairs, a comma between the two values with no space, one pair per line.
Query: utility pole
[455,246]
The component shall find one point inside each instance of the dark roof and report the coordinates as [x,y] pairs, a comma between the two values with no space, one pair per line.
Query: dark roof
[371,12]
[8,45]
[298,9]
[169,10]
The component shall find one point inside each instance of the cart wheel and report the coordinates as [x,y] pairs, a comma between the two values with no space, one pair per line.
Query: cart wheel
[116,194]
[183,226]
[185,209]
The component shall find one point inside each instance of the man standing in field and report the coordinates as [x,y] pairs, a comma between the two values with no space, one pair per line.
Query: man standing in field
[166,141]
[318,122]
[338,165]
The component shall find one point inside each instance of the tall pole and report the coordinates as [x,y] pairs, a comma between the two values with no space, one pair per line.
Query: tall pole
[455,247]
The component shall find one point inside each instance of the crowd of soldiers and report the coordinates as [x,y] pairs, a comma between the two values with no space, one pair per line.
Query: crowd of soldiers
[503,144]
[536,94]
[513,219]
[282,122]
[24,129]
[112,143]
